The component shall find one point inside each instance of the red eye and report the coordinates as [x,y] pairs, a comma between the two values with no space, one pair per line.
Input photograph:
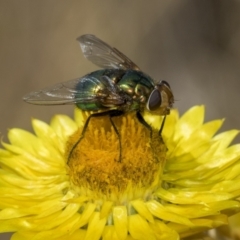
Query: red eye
[154,100]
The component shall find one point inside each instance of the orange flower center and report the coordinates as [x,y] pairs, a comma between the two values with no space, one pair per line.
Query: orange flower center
[97,165]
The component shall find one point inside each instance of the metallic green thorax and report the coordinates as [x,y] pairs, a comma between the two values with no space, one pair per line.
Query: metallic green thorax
[133,88]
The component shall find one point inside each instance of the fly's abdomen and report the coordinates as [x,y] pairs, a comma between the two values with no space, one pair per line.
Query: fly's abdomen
[94,92]
[88,88]
[90,106]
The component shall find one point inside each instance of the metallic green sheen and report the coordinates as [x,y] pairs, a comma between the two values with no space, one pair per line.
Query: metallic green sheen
[136,86]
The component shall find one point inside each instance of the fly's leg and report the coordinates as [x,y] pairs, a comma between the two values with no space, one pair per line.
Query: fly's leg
[161,128]
[111,113]
[144,123]
[155,137]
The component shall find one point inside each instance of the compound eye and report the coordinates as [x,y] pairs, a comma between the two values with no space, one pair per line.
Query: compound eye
[154,100]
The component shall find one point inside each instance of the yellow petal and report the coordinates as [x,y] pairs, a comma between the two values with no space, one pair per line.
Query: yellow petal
[45,206]
[109,233]
[189,122]
[77,235]
[120,221]
[48,135]
[169,126]
[190,197]
[8,226]
[139,228]
[222,160]
[142,210]
[106,208]
[200,225]
[60,218]
[227,186]
[225,174]
[233,172]
[10,150]
[22,235]
[13,180]
[33,147]
[153,120]
[161,212]
[225,138]
[199,137]
[64,126]
[85,216]
[80,199]
[78,117]
[95,227]
[191,211]
[24,140]
[163,232]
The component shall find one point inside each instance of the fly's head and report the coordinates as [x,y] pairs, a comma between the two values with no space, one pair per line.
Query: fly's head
[161,99]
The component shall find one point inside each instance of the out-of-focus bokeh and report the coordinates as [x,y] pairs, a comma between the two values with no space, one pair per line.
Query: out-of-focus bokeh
[192,44]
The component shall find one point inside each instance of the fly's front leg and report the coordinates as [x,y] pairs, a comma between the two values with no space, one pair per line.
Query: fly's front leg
[161,128]
[156,140]
[156,143]
[144,123]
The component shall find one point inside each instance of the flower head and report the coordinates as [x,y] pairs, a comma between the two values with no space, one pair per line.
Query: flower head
[58,184]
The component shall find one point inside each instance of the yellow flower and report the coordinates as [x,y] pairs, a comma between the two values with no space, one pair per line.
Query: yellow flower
[55,185]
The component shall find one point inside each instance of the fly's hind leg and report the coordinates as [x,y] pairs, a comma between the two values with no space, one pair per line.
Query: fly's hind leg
[111,113]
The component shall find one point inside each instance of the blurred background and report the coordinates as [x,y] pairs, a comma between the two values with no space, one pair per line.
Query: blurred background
[193,44]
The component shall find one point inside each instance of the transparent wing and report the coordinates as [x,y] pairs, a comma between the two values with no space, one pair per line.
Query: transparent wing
[72,92]
[103,55]
[61,93]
